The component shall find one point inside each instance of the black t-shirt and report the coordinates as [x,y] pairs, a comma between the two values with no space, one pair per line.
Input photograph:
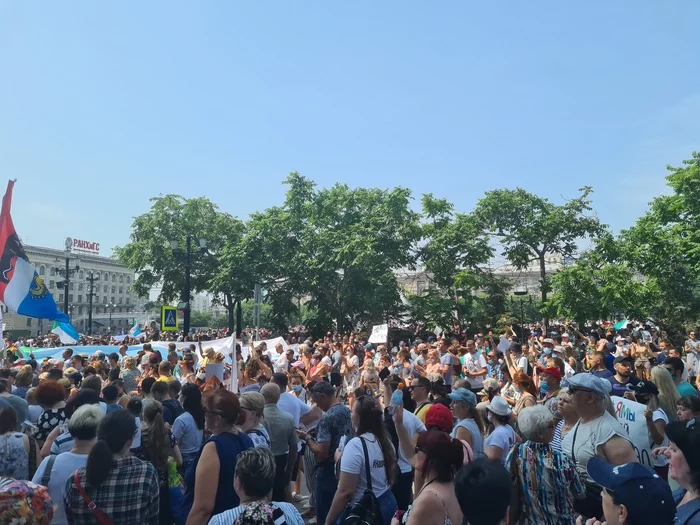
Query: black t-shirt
[619,389]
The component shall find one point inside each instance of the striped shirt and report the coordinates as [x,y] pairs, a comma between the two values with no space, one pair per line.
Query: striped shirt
[549,483]
[556,440]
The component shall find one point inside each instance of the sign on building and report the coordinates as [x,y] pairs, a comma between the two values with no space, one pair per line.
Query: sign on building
[168,319]
[86,247]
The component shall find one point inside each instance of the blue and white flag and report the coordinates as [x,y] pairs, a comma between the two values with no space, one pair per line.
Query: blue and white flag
[135,330]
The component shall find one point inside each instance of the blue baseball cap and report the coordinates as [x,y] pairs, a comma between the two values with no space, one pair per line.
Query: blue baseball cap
[646,496]
[463,395]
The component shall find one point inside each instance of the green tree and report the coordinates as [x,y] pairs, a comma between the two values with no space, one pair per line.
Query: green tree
[664,245]
[601,286]
[338,246]
[175,218]
[530,227]
[454,247]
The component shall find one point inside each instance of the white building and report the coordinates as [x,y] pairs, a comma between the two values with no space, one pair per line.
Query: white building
[114,305]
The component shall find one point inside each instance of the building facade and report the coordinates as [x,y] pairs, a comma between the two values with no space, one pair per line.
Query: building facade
[114,305]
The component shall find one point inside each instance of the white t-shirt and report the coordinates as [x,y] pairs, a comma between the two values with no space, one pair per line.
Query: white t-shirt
[521,363]
[502,437]
[280,366]
[352,375]
[661,460]
[475,364]
[353,462]
[589,437]
[414,426]
[64,466]
[295,407]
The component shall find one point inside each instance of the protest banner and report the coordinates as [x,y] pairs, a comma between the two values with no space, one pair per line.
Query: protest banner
[630,414]
[379,334]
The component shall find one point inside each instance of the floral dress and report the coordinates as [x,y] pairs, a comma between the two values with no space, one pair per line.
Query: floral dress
[14,460]
[50,419]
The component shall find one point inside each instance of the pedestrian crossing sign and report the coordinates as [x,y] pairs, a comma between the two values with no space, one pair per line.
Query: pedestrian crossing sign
[168,319]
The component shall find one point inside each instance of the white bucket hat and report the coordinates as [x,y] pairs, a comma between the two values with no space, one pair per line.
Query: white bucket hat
[499,406]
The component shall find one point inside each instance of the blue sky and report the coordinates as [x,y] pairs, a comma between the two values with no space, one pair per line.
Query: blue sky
[105,104]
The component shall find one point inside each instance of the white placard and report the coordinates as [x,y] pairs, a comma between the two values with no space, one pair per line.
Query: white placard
[379,335]
[503,345]
[630,414]
[217,369]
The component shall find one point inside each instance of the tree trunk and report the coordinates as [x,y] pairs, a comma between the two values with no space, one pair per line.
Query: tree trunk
[230,305]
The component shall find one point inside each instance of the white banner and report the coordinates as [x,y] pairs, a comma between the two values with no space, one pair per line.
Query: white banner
[379,334]
[630,414]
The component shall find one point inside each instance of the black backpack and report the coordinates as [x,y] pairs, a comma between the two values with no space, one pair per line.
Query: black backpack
[366,511]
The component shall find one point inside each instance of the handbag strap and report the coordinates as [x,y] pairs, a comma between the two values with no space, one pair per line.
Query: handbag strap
[369,473]
[47,471]
[573,443]
[101,516]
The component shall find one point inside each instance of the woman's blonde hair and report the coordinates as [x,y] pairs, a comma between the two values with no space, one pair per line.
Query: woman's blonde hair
[668,394]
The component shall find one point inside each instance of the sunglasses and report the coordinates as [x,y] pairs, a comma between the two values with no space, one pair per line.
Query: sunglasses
[574,389]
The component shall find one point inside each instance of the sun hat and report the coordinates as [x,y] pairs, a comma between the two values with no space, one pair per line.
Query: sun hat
[490,385]
[463,395]
[499,406]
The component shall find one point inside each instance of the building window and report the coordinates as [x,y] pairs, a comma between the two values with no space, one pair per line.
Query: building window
[120,302]
[29,322]
[42,270]
[60,298]
[104,299]
[70,297]
[80,274]
[80,298]
[114,289]
[127,300]
[128,279]
[114,277]
[80,310]
[121,289]
[70,285]
[121,278]
[80,287]
[104,288]
[52,271]
[112,299]
[51,284]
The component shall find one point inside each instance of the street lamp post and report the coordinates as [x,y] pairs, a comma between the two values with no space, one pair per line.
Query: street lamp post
[91,278]
[188,275]
[111,309]
[66,273]
[521,292]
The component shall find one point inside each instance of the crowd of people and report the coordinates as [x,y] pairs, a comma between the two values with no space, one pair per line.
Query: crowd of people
[474,428]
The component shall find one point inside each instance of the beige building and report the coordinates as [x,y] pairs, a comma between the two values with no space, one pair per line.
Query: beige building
[417,282]
[114,305]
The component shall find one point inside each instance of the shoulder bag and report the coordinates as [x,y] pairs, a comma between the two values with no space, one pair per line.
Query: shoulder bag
[101,516]
[46,477]
[366,511]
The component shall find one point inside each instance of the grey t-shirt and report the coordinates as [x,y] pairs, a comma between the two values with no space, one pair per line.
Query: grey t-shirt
[582,442]
[447,359]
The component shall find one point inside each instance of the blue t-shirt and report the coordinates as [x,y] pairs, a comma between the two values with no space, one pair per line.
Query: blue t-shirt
[688,514]
[603,374]
[619,389]
[686,389]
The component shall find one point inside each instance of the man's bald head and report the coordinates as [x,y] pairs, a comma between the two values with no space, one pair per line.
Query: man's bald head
[271,393]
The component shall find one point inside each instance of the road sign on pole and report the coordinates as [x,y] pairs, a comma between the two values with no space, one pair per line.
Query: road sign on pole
[168,319]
